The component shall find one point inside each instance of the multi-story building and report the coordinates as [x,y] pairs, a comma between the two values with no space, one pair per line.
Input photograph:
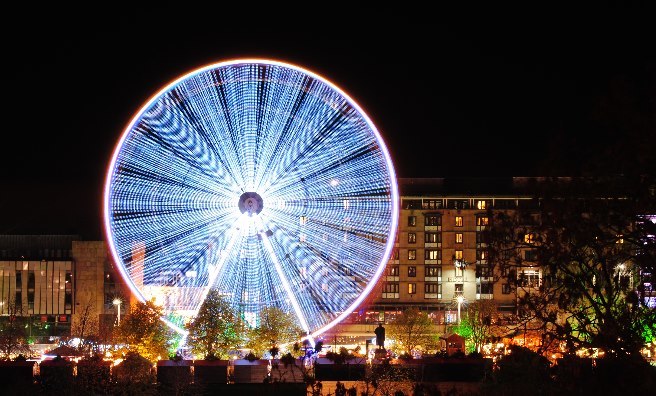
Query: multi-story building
[51,281]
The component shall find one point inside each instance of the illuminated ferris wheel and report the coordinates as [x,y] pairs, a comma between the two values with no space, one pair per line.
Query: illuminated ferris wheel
[260,179]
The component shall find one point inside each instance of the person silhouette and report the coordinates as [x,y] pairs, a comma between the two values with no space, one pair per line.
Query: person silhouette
[380,336]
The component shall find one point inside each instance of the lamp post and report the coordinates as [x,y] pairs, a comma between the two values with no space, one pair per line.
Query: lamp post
[460,300]
[117,302]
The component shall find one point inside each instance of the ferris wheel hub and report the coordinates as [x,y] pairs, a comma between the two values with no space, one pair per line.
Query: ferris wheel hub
[250,203]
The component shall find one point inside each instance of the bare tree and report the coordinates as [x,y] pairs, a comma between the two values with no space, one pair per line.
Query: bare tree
[86,326]
[13,339]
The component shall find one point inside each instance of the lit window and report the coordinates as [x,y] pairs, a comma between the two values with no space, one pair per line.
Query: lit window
[432,254]
[412,237]
[458,255]
[529,238]
[459,288]
[393,270]
[481,205]
[412,288]
[458,221]
[412,254]
[412,221]
[432,237]
[412,271]
[529,278]
[620,239]
[459,237]
[482,221]
[459,271]
[481,255]
[303,220]
[433,271]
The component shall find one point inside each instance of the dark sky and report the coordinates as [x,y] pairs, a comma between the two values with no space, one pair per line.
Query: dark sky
[455,92]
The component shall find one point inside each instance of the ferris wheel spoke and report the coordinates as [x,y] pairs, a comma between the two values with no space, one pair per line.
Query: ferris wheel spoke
[214,270]
[285,282]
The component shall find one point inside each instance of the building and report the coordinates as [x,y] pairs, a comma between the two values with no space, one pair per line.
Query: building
[53,281]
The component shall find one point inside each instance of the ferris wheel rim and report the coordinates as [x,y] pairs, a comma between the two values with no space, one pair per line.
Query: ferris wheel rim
[394,194]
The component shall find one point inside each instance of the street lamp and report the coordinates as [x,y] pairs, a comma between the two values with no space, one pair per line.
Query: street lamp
[460,299]
[117,302]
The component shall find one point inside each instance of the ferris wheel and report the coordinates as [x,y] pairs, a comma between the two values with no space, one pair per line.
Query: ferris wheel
[259,179]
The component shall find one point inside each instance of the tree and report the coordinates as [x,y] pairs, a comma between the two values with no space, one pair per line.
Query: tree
[143,331]
[13,339]
[216,329]
[477,321]
[591,252]
[85,326]
[412,331]
[274,329]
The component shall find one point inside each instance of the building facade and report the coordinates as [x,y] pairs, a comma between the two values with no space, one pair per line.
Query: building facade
[52,281]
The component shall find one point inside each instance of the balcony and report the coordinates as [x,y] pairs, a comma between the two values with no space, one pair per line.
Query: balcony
[433,228]
[433,244]
[480,296]
[432,279]
[390,278]
[433,296]
[484,279]
[390,295]
[457,279]
[427,261]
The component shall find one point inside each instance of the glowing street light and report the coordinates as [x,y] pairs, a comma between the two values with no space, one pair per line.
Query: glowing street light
[460,299]
[117,302]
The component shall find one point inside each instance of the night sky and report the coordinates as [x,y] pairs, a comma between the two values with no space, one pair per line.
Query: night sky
[454,92]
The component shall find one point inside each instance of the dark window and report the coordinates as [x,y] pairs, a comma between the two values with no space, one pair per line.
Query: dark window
[412,271]
[411,204]
[433,271]
[484,288]
[19,280]
[432,288]
[391,288]
[483,271]
[19,299]
[505,288]
[30,299]
[433,220]
[412,221]
[530,255]
[30,280]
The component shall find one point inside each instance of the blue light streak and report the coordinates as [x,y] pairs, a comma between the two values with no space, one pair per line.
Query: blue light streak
[328,188]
